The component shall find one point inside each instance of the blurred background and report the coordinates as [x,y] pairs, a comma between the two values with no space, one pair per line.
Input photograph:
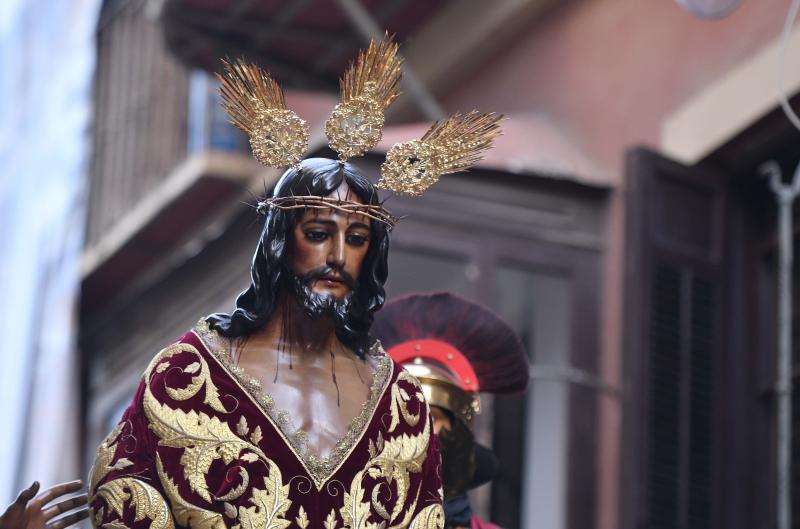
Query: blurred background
[620,225]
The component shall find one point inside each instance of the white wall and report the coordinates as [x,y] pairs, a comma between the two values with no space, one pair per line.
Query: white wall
[47,59]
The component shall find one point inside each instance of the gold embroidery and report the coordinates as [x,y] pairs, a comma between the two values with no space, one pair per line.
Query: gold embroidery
[121,464]
[241,427]
[103,458]
[431,517]
[376,503]
[399,401]
[256,436]
[355,512]
[145,499]
[375,448]
[270,504]
[403,524]
[401,456]
[302,518]
[331,522]
[203,439]
[185,513]
[319,468]
[203,378]
[192,368]
[237,492]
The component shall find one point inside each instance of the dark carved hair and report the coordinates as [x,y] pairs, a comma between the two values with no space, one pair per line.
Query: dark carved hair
[254,306]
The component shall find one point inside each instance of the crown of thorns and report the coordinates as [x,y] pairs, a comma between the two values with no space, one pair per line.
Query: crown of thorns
[374,212]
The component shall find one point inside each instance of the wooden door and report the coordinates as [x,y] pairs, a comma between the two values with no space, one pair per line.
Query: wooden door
[673,315]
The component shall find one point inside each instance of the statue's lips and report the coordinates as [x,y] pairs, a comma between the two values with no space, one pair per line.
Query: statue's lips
[329,278]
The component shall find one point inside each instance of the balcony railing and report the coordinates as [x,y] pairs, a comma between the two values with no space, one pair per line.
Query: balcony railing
[151,114]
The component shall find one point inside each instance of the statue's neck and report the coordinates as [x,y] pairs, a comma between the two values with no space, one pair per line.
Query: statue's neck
[290,328]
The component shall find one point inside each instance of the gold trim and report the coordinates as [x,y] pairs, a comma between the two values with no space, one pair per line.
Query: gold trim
[321,469]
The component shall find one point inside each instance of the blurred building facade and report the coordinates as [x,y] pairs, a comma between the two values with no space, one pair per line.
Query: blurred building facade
[45,111]
[641,279]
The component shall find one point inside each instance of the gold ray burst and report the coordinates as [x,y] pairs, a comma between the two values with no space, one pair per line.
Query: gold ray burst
[255,104]
[367,88]
[449,146]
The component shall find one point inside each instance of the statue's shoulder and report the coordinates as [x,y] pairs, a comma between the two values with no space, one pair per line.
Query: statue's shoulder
[384,365]
[196,345]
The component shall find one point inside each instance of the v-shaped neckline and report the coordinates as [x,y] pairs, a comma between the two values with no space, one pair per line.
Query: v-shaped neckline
[320,468]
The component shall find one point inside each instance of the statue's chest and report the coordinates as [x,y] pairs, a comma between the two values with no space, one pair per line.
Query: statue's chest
[320,406]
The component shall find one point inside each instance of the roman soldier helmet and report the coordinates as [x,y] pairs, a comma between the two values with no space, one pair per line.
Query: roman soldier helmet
[457,349]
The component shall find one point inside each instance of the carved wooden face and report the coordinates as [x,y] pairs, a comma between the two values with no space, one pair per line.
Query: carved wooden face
[329,246]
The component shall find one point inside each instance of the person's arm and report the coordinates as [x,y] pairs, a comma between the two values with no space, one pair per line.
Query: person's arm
[32,511]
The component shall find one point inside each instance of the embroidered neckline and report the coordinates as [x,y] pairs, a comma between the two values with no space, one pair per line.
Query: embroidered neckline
[320,468]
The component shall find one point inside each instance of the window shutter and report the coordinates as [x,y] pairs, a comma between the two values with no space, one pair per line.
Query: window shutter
[672,308]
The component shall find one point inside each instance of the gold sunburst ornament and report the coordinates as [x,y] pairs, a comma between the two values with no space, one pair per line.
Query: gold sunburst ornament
[367,88]
[279,137]
[449,146]
[255,104]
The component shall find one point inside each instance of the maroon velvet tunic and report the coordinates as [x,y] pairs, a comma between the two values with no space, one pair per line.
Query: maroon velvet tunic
[202,446]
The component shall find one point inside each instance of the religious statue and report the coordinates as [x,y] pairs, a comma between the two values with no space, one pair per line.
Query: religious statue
[286,412]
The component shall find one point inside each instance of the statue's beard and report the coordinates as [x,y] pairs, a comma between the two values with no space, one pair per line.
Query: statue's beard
[316,305]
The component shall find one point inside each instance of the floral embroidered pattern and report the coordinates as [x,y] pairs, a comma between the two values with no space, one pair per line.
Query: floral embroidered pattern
[391,461]
[103,458]
[401,456]
[400,398]
[355,512]
[269,504]
[187,454]
[431,517]
[203,438]
[202,378]
[145,499]
[302,518]
[185,513]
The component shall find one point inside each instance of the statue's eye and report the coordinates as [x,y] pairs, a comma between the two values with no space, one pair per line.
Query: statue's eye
[316,235]
[356,239]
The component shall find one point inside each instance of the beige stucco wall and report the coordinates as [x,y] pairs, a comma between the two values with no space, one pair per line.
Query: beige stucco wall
[610,74]
[610,71]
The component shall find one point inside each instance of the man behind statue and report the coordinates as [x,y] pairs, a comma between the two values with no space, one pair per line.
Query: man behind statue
[457,349]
